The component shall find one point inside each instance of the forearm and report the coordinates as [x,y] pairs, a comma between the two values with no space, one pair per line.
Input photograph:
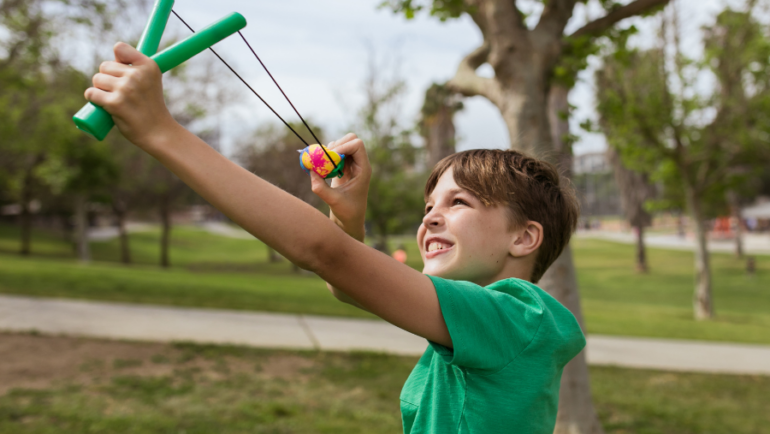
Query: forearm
[376,282]
[293,228]
[356,230]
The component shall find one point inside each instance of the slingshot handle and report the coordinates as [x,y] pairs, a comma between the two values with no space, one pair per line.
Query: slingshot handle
[186,49]
[156,25]
[96,121]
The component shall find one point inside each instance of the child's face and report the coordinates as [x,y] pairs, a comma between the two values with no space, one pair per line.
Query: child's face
[462,239]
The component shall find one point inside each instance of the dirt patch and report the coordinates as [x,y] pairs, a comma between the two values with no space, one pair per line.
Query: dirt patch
[32,361]
[286,367]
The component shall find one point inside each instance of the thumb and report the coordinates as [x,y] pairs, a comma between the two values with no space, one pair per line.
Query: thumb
[319,186]
[129,55]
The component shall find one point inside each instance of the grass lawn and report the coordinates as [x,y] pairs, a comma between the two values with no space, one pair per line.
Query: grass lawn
[213,271]
[89,386]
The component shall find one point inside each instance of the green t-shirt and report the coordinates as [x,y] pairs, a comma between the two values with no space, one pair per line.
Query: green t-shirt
[511,341]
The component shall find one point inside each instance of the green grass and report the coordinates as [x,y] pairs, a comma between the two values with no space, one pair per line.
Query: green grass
[218,272]
[207,271]
[618,301]
[237,390]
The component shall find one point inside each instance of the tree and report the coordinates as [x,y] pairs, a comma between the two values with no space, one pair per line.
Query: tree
[193,92]
[40,92]
[635,191]
[437,122]
[534,68]
[395,191]
[127,190]
[653,114]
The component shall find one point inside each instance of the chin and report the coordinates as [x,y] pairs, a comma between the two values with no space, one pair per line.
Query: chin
[443,271]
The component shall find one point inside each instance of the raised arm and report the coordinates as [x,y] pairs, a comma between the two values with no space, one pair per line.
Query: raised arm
[393,291]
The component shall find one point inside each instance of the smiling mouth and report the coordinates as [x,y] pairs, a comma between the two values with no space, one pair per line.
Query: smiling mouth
[435,247]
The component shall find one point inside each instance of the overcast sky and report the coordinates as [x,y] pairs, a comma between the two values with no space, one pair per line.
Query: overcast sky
[318,51]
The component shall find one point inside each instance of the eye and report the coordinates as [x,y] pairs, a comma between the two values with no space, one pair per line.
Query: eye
[428,209]
[459,202]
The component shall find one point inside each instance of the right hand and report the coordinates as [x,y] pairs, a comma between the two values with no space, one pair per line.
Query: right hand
[131,90]
[347,195]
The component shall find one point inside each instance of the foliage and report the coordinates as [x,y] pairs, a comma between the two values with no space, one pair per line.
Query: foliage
[395,191]
[441,9]
[271,153]
[657,127]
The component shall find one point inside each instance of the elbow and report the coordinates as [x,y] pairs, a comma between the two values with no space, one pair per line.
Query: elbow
[317,255]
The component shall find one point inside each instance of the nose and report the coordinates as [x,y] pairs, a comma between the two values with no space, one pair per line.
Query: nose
[433,219]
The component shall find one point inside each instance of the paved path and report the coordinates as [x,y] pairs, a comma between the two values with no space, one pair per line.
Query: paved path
[166,324]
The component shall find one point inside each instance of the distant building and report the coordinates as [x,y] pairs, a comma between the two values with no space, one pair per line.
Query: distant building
[595,184]
[594,162]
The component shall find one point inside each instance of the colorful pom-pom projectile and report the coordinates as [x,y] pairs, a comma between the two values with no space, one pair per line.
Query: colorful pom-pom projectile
[314,158]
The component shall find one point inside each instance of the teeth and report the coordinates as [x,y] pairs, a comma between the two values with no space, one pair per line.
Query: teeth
[432,247]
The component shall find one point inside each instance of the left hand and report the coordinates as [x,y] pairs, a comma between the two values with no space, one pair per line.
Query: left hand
[347,195]
[131,90]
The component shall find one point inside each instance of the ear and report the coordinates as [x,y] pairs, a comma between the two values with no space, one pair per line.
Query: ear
[526,239]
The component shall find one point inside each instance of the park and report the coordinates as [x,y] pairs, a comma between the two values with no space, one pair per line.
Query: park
[130,303]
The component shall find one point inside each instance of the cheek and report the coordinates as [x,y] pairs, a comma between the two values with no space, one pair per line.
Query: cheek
[420,236]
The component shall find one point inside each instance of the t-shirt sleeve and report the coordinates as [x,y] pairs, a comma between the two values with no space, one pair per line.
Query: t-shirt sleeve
[489,328]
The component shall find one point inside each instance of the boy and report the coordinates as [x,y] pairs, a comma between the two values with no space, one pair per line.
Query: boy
[494,221]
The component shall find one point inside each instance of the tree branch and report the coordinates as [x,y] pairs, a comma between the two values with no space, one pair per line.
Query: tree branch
[554,17]
[638,7]
[467,82]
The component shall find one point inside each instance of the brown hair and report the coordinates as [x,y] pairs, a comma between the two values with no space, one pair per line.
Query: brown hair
[530,188]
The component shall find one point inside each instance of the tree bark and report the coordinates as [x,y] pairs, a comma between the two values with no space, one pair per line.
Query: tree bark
[125,248]
[641,252]
[576,410]
[702,300]
[165,236]
[81,228]
[440,131]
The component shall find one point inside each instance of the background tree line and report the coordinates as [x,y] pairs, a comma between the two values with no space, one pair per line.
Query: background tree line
[649,107]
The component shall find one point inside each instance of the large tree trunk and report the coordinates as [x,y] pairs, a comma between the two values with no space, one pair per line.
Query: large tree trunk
[440,135]
[120,216]
[534,109]
[165,236]
[524,111]
[576,410]
[641,252]
[81,228]
[702,301]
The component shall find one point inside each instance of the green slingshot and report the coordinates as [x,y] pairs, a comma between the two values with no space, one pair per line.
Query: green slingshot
[95,121]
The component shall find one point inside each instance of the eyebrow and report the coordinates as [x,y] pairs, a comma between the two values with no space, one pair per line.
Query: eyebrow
[452,192]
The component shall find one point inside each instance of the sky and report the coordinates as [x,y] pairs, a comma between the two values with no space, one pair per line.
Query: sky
[319,52]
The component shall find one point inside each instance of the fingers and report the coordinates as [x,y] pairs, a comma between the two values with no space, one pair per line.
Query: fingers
[354,149]
[348,137]
[114,68]
[99,97]
[129,55]
[319,186]
[105,82]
